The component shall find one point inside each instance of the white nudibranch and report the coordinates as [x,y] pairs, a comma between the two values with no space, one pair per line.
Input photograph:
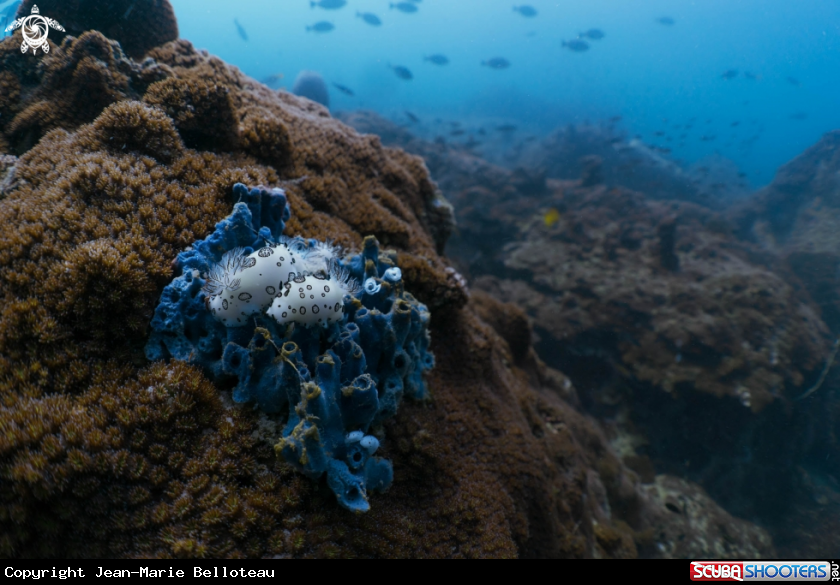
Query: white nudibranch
[313,299]
[240,286]
[291,281]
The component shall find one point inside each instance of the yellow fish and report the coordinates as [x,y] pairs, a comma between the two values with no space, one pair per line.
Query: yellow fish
[551,217]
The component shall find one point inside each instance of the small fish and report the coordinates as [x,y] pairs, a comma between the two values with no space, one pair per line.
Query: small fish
[506,128]
[526,10]
[793,81]
[707,138]
[321,27]
[370,18]
[734,124]
[344,89]
[272,79]
[551,217]
[403,72]
[437,59]
[799,116]
[666,20]
[659,133]
[594,34]
[730,74]
[458,132]
[576,45]
[406,7]
[531,34]
[328,4]
[749,75]
[497,63]
[414,119]
[240,30]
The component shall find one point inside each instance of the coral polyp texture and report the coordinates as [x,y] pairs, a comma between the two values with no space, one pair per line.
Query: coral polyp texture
[288,321]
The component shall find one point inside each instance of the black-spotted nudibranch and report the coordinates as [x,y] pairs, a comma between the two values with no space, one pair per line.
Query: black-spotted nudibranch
[289,281]
[316,299]
[240,286]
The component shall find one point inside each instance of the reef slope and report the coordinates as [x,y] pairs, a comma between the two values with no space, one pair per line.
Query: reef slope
[105,454]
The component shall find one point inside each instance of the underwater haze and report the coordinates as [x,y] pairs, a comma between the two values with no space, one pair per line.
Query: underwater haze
[756,80]
[420,278]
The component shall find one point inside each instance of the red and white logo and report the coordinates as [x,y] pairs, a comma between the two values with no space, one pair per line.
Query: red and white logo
[717,571]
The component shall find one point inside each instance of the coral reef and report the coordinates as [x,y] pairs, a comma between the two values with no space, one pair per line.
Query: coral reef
[795,217]
[335,377]
[686,308]
[103,454]
[565,154]
[690,525]
[70,87]
[144,462]
[658,314]
[689,345]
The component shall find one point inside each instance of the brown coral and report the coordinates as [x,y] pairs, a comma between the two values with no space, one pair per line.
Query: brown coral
[796,217]
[685,308]
[69,87]
[201,110]
[102,454]
[130,463]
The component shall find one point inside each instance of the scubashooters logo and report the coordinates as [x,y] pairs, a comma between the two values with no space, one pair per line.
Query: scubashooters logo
[35,29]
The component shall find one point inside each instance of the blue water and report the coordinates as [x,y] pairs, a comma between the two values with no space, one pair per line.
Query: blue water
[653,75]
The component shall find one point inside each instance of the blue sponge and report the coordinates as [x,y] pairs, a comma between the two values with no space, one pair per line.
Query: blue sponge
[334,381]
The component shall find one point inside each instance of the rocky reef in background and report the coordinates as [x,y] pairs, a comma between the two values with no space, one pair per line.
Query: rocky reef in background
[567,153]
[688,328]
[112,166]
[795,218]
